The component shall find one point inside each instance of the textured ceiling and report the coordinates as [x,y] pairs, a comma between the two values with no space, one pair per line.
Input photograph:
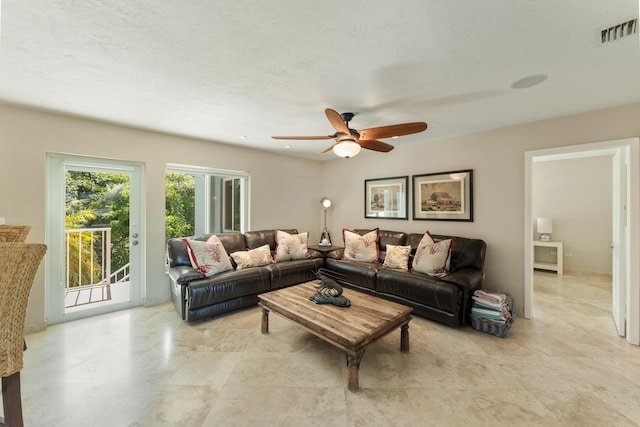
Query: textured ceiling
[221,69]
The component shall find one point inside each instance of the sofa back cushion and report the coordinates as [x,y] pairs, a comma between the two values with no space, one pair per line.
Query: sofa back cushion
[177,252]
[232,242]
[464,252]
[255,239]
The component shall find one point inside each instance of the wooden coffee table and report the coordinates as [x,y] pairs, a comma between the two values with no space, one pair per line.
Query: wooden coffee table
[351,329]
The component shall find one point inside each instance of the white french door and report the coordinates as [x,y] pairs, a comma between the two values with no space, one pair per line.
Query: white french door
[95,236]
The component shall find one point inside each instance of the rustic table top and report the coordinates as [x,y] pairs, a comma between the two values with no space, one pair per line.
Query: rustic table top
[349,328]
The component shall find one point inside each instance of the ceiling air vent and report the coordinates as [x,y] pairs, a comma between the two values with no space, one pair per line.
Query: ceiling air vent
[618,32]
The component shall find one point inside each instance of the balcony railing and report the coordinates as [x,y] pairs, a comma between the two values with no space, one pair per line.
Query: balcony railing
[88,267]
[88,257]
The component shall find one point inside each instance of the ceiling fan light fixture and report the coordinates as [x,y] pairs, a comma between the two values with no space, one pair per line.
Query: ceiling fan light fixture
[346,148]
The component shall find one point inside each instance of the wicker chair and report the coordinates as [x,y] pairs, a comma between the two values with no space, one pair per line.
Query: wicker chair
[14,233]
[18,265]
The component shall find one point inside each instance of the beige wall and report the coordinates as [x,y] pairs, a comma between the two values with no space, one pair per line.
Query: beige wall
[577,195]
[497,158]
[284,190]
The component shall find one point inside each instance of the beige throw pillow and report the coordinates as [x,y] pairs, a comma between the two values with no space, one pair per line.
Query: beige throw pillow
[397,257]
[433,258]
[253,258]
[361,248]
[291,246]
[210,257]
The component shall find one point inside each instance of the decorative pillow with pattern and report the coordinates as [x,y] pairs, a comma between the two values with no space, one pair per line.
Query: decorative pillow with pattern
[397,257]
[361,248]
[210,257]
[291,246]
[253,257]
[432,258]
[431,240]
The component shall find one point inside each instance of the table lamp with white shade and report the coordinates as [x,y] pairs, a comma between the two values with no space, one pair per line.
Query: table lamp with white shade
[545,228]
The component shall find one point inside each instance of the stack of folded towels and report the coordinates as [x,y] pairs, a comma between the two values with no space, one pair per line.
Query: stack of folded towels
[492,306]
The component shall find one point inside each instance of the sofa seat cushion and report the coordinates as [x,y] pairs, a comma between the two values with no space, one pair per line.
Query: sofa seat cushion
[293,272]
[362,274]
[227,285]
[419,287]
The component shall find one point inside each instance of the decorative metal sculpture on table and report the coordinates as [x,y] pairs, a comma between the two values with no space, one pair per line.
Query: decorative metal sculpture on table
[328,291]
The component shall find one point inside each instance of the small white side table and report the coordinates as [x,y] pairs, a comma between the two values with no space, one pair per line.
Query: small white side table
[557,267]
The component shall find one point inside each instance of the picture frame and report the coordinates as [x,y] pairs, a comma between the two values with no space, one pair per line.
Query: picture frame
[386,198]
[443,196]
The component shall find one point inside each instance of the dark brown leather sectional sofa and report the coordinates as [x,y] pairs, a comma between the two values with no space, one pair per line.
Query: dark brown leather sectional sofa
[197,297]
[446,299]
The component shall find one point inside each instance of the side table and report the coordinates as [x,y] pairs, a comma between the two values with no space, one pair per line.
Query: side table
[324,250]
[558,266]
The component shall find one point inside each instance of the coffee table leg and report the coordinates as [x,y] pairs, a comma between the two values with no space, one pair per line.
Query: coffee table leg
[353,370]
[404,338]
[265,320]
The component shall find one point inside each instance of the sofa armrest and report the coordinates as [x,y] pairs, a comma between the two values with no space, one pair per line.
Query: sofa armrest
[467,279]
[183,274]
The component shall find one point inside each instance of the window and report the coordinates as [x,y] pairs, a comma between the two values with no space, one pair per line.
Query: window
[202,200]
[232,203]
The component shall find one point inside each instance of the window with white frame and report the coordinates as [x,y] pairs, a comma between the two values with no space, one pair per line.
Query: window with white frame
[204,200]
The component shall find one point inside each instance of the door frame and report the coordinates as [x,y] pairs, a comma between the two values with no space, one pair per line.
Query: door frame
[632,195]
[56,165]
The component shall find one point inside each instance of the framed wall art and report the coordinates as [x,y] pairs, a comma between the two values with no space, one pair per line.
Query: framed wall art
[386,198]
[443,196]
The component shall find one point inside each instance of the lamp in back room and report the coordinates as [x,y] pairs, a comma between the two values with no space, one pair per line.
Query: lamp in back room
[545,228]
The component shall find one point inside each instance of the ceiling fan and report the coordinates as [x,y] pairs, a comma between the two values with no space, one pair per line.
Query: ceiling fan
[350,141]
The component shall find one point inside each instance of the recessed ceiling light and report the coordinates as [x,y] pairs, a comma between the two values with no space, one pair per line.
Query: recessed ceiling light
[287,146]
[243,137]
[529,81]
[395,137]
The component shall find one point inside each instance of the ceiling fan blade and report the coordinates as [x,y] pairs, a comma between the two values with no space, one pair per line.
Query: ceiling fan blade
[336,121]
[303,137]
[328,149]
[372,144]
[393,130]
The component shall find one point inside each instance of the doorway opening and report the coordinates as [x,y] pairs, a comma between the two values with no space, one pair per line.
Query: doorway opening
[626,247]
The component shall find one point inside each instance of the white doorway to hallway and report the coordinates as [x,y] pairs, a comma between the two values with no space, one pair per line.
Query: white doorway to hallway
[625,155]
[94,234]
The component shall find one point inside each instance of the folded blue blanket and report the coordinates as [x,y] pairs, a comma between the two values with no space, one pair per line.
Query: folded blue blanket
[490,314]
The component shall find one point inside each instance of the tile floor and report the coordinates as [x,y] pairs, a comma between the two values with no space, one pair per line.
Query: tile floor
[145,367]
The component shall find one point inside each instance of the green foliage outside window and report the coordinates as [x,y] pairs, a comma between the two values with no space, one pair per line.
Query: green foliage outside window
[180,196]
[94,200]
